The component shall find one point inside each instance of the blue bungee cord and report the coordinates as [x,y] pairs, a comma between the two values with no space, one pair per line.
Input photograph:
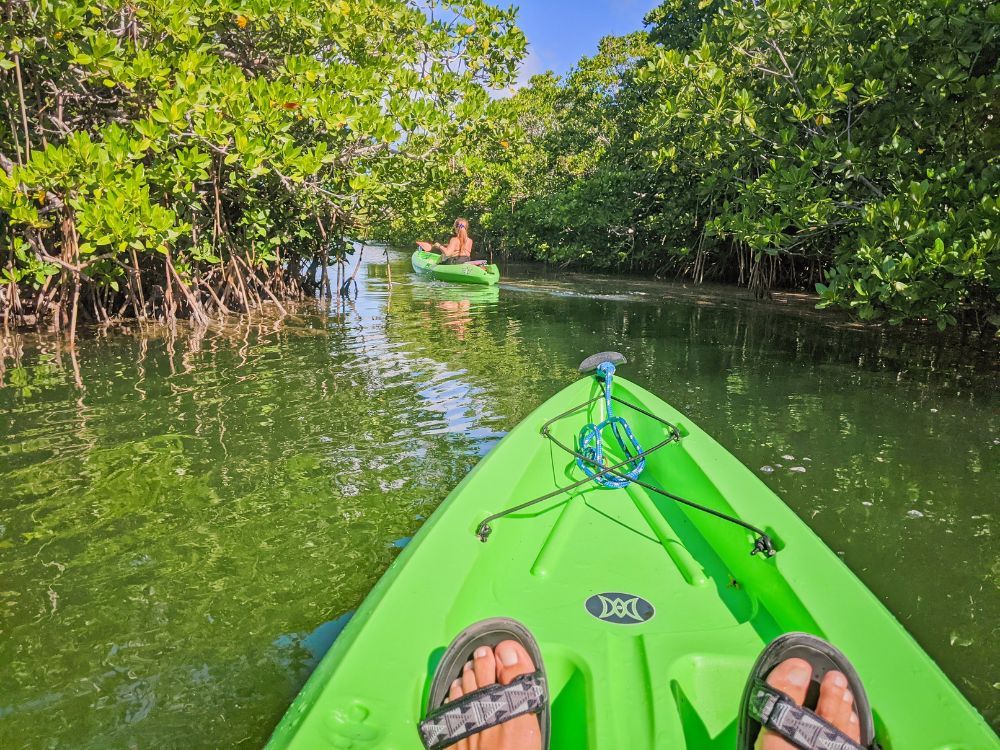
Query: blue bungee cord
[592,442]
[619,472]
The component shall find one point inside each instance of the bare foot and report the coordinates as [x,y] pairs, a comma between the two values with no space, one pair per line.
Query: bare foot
[507,661]
[836,704]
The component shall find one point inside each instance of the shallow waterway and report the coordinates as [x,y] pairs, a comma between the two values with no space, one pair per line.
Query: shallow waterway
[186,520]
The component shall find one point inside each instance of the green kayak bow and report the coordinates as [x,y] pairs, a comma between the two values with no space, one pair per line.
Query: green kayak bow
[650,593]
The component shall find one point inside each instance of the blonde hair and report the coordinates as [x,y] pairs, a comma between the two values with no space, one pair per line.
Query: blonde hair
[462,231]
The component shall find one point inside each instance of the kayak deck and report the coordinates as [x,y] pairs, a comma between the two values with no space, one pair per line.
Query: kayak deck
[673,681]
[461,273]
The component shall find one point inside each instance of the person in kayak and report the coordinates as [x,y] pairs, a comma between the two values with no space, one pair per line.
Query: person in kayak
[459,248]
[510,660]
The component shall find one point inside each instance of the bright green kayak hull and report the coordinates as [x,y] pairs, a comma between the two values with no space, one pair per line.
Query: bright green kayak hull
[463,273]
[673,681]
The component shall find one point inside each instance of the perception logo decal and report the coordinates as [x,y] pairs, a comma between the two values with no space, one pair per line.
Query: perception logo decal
[620,609]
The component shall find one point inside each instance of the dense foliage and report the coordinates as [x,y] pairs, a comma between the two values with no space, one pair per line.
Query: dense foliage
[187,157]
[850,145]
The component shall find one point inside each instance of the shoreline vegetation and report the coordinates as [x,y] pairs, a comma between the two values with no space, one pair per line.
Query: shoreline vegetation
[846,148]
[34,360]
[802,303]
[193,159]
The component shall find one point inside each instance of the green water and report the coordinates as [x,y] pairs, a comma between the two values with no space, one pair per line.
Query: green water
[185,520]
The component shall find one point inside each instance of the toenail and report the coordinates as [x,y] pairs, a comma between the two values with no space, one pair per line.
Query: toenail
[848,697]
[482,652]
[456,685]
[839,680]
[800,675]
[468,666]
[508,655]
[854,718]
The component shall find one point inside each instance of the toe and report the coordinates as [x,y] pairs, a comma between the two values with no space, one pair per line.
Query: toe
[831,695]
[485,666]
[468,679]
[792,677]
[454,693]
[854,731]
[512,661]
[836,704]
[468,686]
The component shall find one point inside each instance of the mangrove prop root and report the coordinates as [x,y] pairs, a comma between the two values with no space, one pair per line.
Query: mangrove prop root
[161,292]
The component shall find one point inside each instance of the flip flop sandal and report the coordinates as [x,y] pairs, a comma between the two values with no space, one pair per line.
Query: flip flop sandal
[490,706]
[765,707]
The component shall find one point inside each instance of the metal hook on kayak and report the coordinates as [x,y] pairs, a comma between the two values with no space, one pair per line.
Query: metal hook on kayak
[764,546]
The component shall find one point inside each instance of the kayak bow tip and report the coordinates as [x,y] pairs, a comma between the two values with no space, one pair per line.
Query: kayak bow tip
[591,363]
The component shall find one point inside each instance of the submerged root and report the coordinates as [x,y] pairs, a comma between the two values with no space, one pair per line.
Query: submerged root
[65,302]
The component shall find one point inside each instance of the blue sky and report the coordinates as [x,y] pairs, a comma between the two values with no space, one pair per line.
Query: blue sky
[560,32]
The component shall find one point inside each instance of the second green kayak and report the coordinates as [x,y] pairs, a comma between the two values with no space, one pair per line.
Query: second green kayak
[460,273]
[649,608]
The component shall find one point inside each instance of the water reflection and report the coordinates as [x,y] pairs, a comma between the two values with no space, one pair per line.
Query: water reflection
[456,304]
[181,511]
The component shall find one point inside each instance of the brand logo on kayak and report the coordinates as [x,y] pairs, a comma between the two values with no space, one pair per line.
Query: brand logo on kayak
[620,609]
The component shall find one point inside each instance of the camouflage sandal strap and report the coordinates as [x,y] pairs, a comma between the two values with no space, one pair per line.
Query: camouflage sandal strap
[487,707]
[800,726]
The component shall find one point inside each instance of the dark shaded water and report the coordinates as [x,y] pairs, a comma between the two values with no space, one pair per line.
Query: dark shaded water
[181,536]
